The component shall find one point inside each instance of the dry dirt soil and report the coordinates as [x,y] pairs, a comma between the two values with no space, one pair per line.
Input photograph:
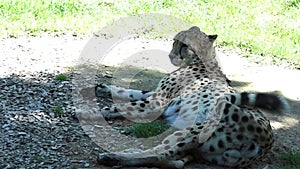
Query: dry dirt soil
[38,113]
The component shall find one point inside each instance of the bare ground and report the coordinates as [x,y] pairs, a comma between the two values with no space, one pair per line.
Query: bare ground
[34,135]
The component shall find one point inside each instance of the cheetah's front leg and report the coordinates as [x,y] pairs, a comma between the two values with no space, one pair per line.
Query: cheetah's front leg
[120,93]
[144,110]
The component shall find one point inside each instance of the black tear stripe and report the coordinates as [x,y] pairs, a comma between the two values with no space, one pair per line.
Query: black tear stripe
[144,92]
[181,144]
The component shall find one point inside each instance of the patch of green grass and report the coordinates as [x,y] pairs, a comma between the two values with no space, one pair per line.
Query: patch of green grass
[37,157]
[267,28]
[58,110]
[61,77]
[291,160]
[145,130]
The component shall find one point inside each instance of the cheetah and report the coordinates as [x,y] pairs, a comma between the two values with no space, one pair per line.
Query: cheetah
[215,123]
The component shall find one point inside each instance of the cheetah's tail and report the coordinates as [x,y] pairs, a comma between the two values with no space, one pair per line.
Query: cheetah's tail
[267,101]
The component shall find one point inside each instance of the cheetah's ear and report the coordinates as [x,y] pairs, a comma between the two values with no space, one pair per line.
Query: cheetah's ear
[212,37]
[195,29]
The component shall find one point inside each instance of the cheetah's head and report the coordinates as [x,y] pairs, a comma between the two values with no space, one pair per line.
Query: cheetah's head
[192,46]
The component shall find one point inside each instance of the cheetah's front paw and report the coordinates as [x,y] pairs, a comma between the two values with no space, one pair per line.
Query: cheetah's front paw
[110,113]
[109,159]
[102,90]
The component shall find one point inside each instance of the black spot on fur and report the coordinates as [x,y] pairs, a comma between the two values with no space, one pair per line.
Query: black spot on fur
[250,128]
[144,92]
[239,137]
[221,144]
[252,147]
[233,99]
[235,117]
[115,110]
[226,110]
[198,76]
[206,101]
[195,69]
[260,121]
[181,144]
[220,130]
[258,130]
[226,119]
[228,138]
[211,148]
[245,119]
[142,104]
[195,132]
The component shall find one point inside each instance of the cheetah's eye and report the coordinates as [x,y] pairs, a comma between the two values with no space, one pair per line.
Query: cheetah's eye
[183,48]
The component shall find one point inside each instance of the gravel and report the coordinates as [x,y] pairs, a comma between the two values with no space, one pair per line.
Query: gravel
[33,134]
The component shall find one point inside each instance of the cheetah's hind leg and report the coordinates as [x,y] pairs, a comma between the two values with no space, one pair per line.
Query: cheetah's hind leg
[111,159]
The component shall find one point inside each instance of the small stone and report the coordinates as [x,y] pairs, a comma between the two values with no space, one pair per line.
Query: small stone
[22,133]
[5,126]
[31,120]
[65,128]
[52,114]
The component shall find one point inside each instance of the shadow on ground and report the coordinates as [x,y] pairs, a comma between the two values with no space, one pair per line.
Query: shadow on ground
[39,128]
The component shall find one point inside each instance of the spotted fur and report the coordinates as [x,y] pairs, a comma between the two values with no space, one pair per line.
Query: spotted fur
[214,122]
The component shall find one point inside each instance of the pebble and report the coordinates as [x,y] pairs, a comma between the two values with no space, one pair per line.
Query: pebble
[22,133]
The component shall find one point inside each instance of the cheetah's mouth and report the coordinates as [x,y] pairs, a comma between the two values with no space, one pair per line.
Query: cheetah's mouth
[175,60]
